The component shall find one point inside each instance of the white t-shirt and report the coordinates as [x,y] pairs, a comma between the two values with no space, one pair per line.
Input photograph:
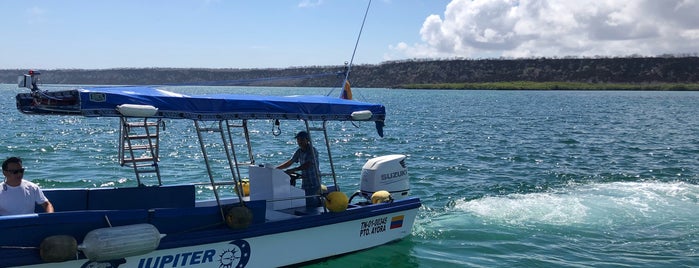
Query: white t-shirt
[20,199]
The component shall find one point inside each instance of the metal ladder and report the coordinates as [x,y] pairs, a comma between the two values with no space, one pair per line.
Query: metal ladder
[225,130]
[139,146]
[246,135]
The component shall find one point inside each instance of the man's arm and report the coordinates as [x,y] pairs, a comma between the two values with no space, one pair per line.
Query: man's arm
[48,207]
[285,164]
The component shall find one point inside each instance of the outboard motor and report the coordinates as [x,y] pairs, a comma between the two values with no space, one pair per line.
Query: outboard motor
[385,173]
[29,80]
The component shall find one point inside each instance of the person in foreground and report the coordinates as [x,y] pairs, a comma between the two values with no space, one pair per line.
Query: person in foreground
[18,196]
[307,157]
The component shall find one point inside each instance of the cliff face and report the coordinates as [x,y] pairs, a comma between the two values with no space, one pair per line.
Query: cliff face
[390,74]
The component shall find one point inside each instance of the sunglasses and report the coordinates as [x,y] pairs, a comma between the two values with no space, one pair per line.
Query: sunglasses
[15,171]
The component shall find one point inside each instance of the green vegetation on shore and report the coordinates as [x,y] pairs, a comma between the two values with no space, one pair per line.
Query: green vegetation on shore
[527,85]
[630,73]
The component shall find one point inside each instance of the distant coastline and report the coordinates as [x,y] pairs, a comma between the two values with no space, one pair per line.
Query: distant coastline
[527,85]
[631,73]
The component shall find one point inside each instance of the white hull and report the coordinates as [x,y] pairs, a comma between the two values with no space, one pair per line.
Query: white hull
[272,250]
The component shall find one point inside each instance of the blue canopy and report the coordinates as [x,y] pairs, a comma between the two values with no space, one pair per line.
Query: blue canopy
[103,101]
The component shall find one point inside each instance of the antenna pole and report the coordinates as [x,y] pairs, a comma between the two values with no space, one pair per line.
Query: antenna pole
[356,44]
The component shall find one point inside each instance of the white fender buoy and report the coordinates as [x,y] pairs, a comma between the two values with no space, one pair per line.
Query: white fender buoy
[361,115]
[137,110]
[120,242]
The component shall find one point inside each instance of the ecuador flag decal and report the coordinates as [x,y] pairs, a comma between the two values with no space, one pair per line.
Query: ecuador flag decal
[397,222]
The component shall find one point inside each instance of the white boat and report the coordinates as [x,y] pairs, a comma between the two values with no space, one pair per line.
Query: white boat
[165,225]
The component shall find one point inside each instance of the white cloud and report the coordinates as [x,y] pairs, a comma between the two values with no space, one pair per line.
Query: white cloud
[310,3]
[35,15]
[535,28]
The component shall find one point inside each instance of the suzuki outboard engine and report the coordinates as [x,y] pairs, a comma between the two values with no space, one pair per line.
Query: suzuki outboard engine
[385,173]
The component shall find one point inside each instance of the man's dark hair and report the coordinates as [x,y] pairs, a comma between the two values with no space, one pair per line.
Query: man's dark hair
[13,159]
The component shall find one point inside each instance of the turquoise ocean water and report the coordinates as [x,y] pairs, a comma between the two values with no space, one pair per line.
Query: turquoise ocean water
[507,178]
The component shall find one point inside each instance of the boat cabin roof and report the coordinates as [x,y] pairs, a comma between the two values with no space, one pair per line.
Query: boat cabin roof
[104,101]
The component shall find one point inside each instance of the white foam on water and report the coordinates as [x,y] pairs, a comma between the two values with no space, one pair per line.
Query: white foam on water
[616,203]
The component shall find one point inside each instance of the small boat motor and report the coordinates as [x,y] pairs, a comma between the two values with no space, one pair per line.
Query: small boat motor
[386,173]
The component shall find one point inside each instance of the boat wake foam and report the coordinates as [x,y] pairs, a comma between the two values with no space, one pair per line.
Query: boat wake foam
[601,204]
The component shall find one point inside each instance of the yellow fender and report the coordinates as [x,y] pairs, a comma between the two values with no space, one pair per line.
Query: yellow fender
[336,201]
[245,185]
[382,196]
[58,248]
[238,217]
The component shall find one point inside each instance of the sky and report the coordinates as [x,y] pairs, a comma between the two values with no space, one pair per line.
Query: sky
[88,34]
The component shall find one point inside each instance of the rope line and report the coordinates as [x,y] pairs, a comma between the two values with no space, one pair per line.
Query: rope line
[356,44]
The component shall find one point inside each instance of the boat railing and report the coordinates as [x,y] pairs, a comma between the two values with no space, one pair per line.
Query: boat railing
[234,200]
[323,128]
[224,129]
